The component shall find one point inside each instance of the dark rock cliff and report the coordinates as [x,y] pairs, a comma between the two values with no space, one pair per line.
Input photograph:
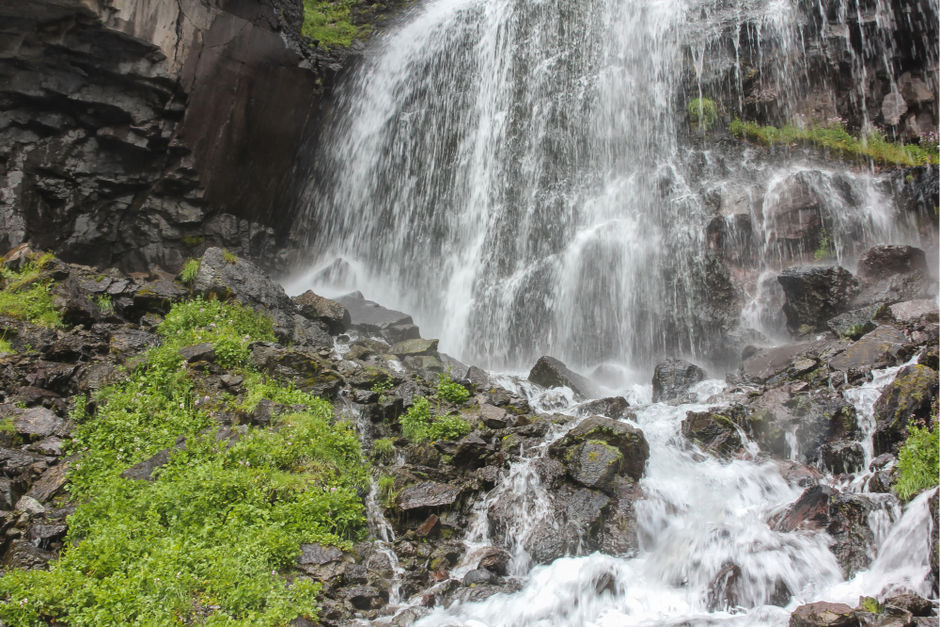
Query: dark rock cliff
[139,132]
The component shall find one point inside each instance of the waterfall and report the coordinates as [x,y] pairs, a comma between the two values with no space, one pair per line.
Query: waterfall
[520,175]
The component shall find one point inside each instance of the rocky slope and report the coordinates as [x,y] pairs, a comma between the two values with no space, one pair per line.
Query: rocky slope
[378,372]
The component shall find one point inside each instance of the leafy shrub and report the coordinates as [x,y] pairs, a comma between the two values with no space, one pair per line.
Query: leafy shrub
[386,491]
[703,113]
[448,427]
[229,328]
[104,303]
[918,462]
[259,387]
[190,270]
[204,541]
[419,424]
[451,391]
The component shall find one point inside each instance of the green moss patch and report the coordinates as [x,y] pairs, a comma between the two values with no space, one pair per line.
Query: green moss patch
[330,23]
[834,139]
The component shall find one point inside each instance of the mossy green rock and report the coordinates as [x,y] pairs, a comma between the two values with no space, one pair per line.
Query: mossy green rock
[594,464]
[597,431]
[414,347]
[908,398]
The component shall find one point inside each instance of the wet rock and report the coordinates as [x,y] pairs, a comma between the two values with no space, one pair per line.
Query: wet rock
[494,417]
[856,323]
[143,470]
[24,555]
[615,407]
[331,313]
[34,423]
[550,372]
[196,353]
[768,364]
[131,341]
[911,397]
[594,464]
[722,591]
[716,433]
[49,484]
[29,505]
[842,457]
[478,576]
[369,317]
[365,597]
[823,614]
[8,494]
[304,366]
[882,347]
[472,451]
[894,273]
[318,554]
[223,275]
[426,495]
[815,294]
[843,516]
[913,603]
[415,347]
[43,536]
[626,439]
[674,377]
[157,296]
[913,310]
[493,559]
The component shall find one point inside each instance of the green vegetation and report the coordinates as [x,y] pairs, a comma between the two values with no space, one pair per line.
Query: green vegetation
[191,241]
[190,270]
[5,347]
[870,605]
[448,390]
[703,113]
[27,296]
[386,491]
[229,256]
[203,540]
[826,248]
[329,23]
[918,462]
[835,139]
[383,450]
[104,303]
[419,424]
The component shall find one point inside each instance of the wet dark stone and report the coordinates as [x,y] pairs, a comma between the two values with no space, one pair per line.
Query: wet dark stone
[626,439]
[426,494]
[330,312]
[478,576]
[673,378]
[823,614]
[615,407]
[318,554]
[715,432]
[911,397]
[25,555]
[814,295]
[842,457]
[369,317]
[550,372]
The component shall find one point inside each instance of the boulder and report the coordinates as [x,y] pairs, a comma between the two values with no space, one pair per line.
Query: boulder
[842,457]
[843,516]
[615,407]
[415,347]
[856,323]
[911,397]
[598,449]
[329,312]
[717,433]
[768,364]
[550,373]
[894,273]
[814,294]
[34,423]
[823,614]
[884,346]
[913,310]
[674,377]
[371,318]
[426,495]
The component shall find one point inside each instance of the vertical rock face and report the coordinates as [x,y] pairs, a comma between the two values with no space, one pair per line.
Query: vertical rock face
[139,132]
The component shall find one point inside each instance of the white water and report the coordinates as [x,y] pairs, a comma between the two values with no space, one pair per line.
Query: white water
[698,515]
[514,174]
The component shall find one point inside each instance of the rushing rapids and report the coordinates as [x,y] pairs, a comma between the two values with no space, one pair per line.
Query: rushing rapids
[522,178]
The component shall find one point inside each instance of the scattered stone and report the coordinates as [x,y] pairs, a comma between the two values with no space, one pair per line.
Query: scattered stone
[34,423]
[49,484]
[318,554]
[478,576]
[196,353]
[615,407]
[716,433]
[856,323]
[415,347]
[880,348]
[426,494]
[913,310]
[550,373]
[29,505]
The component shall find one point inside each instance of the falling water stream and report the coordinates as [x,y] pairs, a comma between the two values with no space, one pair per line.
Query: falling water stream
[521,177]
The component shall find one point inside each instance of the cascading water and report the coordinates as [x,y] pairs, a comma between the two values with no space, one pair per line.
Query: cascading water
[520,176]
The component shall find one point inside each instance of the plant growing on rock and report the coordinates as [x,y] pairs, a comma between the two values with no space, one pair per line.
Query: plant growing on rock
[383,450]
[190,270]
[420,424]
[918,462]
[703,113]
[451,391]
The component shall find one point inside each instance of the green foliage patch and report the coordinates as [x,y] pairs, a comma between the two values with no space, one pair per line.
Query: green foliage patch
[190,270]
[918,462]
[420,424]
[703,113]
[451,391]
[836,140]
[203,541]
[27,296]
[329,22]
